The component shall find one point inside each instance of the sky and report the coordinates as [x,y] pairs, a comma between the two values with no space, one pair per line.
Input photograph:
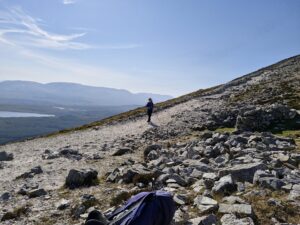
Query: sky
[168,47]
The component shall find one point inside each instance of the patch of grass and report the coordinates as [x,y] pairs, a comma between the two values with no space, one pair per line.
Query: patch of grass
[15,213]
[289,133]
[125,195]
[225,130]
[285,212]
[120,198]
[285,92]
[295,134]
[144,178]
[47,220]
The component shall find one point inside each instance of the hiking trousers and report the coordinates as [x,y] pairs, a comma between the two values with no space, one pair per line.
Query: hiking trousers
[149,112]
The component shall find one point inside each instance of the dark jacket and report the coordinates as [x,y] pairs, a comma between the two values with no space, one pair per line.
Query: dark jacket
[150,106]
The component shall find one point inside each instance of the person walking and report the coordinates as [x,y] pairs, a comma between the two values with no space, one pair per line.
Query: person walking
[149,106]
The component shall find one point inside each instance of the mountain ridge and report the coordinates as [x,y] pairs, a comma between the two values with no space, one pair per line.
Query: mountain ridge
[63,93]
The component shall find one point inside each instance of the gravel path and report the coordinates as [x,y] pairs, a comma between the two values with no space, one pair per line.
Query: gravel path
[28,154]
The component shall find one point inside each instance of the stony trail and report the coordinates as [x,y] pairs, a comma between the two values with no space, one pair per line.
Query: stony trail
[28,154]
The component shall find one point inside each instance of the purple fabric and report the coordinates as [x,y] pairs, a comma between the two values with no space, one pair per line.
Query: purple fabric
[157,208]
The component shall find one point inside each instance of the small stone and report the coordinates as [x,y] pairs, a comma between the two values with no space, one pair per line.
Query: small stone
[204,220]
[36,170]
[36,193]
[273,202]
[5,196]
[205,204]
[180,199]
[180,216]
[233,200]
[202,200]
[237,209]
[63,204]
[77,210]
[121,151]
[31,173]
[4,156]
[230,219]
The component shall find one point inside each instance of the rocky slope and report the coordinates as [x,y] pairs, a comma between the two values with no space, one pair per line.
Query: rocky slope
[214,150]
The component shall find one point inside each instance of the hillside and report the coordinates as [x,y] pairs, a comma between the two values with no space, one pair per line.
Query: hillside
[229,155]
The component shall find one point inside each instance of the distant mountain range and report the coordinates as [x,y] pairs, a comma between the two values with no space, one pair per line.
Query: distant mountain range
[27,92]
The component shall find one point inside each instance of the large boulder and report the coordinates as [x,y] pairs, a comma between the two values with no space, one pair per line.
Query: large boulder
[263,118]
[224,186]
[78,178]
[131,174]
[243,172]
[4,156]
[205,204]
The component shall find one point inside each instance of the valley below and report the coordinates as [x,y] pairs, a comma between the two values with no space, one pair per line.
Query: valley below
[19,122]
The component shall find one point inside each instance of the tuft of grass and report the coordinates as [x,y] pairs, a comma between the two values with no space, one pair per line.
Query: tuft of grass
[16,213]
[144,178]
[289,133]
[125,195]
[47,220]
[120,198]
[284,213]
[225,130]
[295,134]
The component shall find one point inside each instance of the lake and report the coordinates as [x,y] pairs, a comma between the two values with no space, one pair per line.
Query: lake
[6,114]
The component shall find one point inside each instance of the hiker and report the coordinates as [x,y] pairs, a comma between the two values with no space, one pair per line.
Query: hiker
[149,106]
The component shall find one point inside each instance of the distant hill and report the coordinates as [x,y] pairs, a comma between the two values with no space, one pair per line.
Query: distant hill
[27,92]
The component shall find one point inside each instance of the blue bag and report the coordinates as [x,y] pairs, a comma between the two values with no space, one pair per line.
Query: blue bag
[145,208]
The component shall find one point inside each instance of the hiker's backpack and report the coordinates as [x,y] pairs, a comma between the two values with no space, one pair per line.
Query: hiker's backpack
[145,208]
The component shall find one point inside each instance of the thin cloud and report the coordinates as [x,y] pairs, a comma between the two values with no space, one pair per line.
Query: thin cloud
[68,2]
[124,46]
[18,28]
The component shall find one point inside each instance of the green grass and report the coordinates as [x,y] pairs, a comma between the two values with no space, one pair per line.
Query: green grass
[225,130]
[284,92]
[290,133]
[295,134]
[287,213]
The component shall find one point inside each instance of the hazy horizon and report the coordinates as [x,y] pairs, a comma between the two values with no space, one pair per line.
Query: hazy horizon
[170,47]
[69,82]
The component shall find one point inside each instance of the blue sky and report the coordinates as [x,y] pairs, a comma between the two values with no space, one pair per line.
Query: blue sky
[169,47]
